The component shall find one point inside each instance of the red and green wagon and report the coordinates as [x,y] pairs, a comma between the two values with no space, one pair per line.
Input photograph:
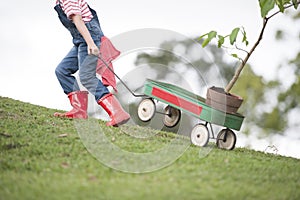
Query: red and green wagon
[181,100]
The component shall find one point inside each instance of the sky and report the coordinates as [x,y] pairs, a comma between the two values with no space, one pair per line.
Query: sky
[33,41]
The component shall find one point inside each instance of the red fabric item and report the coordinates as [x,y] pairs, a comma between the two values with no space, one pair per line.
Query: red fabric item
[108,53]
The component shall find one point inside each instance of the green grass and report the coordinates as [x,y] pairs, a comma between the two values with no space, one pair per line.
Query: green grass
[36,162]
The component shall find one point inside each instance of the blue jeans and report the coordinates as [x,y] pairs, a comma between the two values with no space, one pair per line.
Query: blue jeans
[78,59]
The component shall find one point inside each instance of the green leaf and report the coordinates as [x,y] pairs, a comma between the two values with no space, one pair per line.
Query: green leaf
[221,40]
[245,40]
[280,5]
[266,6]
[295,3]
[210,36]
[285,2]
[205,42]
[234,55]
[233,35]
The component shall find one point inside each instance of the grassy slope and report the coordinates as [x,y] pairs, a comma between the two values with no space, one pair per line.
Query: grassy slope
[35,163]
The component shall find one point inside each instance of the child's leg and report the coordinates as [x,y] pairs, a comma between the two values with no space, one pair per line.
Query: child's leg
[78,99]
[65,70]
[107,101]
[87,73]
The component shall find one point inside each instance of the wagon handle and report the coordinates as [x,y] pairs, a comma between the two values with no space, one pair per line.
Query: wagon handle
[123,83]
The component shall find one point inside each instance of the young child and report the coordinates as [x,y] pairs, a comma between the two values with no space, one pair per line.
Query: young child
[83,24]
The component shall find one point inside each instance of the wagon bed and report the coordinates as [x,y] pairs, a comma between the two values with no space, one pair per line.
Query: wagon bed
[191,104]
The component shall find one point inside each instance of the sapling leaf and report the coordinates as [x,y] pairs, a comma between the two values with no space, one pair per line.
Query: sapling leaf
[266,6]
[280,3]
[245,37]
[234,55]
[221,40]
[233,35]
[210,36]
[295,3]
[286,2]
[205,42]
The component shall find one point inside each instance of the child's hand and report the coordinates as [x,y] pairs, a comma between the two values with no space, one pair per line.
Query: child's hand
[93,49]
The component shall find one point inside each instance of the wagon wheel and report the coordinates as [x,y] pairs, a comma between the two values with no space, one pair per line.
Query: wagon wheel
[226,139]
[146,110]
[200,135]
[172,116]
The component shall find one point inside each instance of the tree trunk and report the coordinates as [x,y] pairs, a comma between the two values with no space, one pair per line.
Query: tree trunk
[243,63]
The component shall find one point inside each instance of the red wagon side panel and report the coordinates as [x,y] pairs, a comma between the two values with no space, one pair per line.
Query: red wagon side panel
[180,102]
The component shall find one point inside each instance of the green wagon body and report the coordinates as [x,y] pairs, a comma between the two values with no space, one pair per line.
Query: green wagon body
[191,103]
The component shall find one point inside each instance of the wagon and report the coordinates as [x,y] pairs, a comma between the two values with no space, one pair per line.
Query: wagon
[181,100]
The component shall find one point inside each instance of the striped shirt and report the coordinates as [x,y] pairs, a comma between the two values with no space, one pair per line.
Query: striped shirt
[76,7]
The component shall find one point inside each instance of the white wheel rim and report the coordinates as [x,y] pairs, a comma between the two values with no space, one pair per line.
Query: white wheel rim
[199,135]
[146,110]
[171,121]
[230,140]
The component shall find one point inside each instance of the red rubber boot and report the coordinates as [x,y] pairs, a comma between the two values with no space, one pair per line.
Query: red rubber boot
[79,101]
[114,109]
